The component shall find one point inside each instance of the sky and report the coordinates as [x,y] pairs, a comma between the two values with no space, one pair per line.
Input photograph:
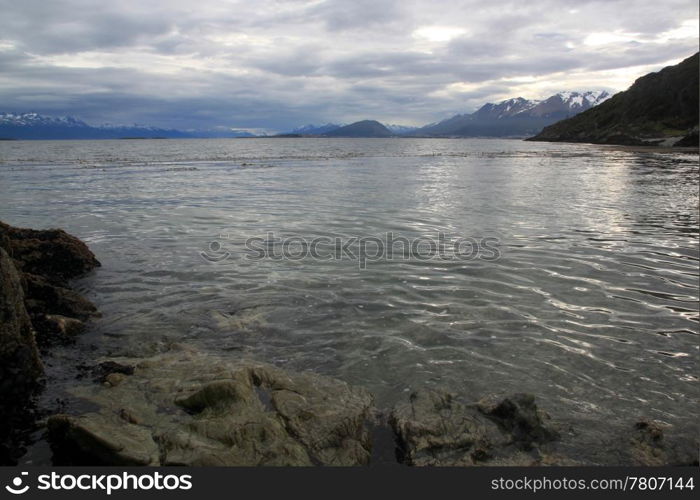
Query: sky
[272,65]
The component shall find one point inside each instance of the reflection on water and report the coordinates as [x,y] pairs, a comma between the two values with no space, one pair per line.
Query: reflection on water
[593,305]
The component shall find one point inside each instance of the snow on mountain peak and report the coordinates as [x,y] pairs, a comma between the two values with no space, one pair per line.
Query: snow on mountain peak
[35,119]
[583,99]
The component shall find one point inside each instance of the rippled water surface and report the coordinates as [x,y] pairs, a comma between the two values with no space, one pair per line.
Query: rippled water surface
[592,305]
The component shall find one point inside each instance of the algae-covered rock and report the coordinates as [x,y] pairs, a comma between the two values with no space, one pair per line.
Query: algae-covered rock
[198,409]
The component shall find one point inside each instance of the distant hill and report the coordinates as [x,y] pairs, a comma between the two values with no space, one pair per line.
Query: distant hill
[659,108]
[364,128]
[517,117]
[37,126]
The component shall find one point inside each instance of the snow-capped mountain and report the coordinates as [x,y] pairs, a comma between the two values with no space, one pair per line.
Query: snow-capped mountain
[588,98]
[504,109]
[37,126]
[514,117]
[565,104]
[562,103]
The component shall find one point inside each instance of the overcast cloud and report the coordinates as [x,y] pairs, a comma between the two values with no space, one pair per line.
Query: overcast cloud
[276,64]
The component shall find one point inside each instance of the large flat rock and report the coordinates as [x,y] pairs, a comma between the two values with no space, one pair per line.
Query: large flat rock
[188,408]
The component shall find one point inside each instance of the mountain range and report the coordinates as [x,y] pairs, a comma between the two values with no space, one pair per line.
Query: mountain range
[37,126]
[517,117]
[660,108]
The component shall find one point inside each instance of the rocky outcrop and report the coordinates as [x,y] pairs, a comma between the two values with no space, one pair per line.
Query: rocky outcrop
[46,260]
[37,309]
[188,408]
[691,139]
[20,366]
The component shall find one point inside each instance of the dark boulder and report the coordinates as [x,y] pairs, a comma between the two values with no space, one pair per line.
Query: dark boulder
[52,253]
[43,297]
[20,366]
[36,308]
[46,260]
[518,414]
[690,140]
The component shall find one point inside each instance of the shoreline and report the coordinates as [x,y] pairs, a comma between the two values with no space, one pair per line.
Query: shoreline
[186,407]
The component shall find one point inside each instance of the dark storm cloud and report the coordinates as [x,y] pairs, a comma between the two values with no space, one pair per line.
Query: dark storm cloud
[339,15]
[278,63]
[58,27]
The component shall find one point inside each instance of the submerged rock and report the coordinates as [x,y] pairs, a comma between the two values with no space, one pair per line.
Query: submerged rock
[104,370]
[434,429]
[518,415]
[187,408]
[649,446]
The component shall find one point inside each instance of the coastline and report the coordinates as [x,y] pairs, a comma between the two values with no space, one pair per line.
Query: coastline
[652,149]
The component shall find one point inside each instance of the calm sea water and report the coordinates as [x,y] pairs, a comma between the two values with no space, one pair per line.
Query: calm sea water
[592,305]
